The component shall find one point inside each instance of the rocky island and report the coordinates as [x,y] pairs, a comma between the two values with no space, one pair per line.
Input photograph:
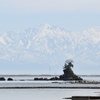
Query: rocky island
[68,73]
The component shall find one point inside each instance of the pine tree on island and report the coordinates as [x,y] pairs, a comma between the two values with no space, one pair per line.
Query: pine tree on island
[68,72]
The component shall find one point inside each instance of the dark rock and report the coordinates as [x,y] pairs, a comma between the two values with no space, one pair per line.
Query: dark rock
[45,79]
[2,79]
[54,78]
[68,72]
[40,79]
[9,79]
[35,78]
[69,75]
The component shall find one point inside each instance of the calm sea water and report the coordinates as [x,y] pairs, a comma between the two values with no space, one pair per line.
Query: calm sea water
[31,77]
[44,94]
[28,81]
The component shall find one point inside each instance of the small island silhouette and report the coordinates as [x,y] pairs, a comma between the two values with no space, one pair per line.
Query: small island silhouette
[68,73]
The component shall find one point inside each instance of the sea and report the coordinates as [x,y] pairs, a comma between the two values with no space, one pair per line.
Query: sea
[45,93]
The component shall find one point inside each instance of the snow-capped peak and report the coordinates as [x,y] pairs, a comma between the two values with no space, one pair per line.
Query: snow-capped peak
[50,44]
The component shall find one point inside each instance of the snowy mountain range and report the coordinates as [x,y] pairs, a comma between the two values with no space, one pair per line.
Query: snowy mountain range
[51,45]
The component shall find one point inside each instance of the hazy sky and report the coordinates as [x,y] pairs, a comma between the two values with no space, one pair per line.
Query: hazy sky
[72,15]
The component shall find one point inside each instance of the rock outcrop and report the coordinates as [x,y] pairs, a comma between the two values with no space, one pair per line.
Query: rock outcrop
[69,75]
[9,79]
[2,79]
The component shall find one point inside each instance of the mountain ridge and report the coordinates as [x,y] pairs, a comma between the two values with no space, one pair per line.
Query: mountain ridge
[52,45]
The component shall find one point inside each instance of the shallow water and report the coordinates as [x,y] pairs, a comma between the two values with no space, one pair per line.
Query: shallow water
[44,84]
[44,94]
[31,77]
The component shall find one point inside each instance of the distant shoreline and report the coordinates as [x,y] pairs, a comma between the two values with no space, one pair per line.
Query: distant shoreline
[29,75]
[49,87]
[45,75]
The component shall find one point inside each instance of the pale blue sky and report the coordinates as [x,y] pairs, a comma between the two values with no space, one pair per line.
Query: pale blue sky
[72,15]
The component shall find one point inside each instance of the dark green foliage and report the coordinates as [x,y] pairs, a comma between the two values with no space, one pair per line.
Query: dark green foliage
[68,63]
